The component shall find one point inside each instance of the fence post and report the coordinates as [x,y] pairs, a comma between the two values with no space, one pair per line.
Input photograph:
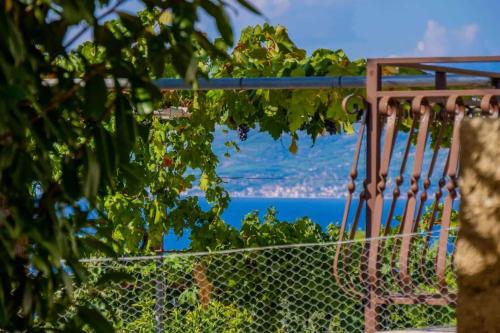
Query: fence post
[373,83]
[160,288]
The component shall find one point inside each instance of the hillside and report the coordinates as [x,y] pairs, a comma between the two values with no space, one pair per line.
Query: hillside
[319,170]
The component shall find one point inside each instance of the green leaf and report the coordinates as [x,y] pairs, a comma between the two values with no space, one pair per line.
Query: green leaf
[144,95]
[95,97]
[104,36]
[95,244]
[95,319]
[92,176]
[221,20]
[114,276]
[131,22]
[335,111]
[210,48]
[125,128]
[249,6]
[204,181]
[75,11]
[299,71]
[133,178]
[70,178]
[189,296]
[27,302]
[14,41]
[166,18]
[105,150]
[301,106]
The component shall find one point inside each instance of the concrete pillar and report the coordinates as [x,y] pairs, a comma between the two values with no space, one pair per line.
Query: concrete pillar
[478,247]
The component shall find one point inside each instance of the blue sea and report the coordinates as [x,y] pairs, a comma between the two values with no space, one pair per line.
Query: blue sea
[321,211]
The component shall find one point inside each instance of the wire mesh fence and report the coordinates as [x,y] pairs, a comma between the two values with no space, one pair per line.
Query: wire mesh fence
[288,288]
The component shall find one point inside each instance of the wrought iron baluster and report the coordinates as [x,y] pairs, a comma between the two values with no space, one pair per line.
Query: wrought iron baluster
[435,206]
[453,105]
[427,182]
[391,110]
[351,188]
[421,106]
[396,194]
[348,251]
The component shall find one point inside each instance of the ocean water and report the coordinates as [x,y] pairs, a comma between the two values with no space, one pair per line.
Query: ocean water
[321,211]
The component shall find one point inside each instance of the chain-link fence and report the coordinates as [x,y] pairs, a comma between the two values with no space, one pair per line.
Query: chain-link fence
[288,288]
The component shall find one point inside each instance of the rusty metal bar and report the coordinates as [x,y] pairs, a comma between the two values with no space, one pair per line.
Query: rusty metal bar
[437,199]
[446,69]
[399,180]
[421,107]
[351,188]
[456,106]
[373,84]
[427,182]
[438,93]
[440,80]
[387,108]
[390,109]
[413,60]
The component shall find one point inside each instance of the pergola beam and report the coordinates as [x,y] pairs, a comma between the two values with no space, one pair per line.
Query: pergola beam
[308,82]
[321,82]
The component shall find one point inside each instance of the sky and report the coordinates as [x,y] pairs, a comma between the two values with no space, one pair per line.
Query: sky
[385,28]
[377,28]
[373,28]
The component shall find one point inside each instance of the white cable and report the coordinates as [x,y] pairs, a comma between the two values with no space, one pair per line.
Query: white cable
[263,248]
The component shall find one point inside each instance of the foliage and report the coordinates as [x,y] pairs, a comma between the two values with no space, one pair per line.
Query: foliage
[215,318]
[287,289]
[268,51]
[64,145]
[257,233]
[179,161]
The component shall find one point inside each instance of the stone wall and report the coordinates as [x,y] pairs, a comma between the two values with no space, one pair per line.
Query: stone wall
[478,247]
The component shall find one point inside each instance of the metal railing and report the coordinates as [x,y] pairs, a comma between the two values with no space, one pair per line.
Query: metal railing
[435,113]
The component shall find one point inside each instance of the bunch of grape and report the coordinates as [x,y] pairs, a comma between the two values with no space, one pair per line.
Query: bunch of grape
[331,127]
[243,132]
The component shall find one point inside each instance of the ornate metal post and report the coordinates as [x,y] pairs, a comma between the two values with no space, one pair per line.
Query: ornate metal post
[373,84]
